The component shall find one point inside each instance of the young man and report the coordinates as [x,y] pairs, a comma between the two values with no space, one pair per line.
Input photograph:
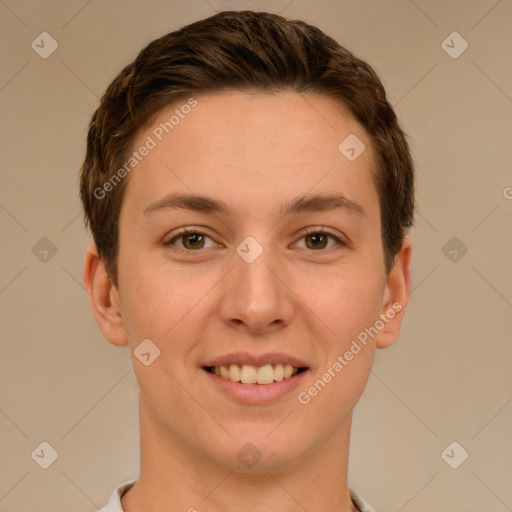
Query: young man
[249,191]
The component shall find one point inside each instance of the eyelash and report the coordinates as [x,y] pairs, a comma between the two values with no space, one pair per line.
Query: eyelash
[313,231]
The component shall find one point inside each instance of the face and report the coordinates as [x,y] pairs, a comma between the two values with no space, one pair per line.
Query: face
[281,271]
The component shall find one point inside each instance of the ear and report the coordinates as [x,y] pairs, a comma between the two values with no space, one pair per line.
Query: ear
[104,298]
[396,296]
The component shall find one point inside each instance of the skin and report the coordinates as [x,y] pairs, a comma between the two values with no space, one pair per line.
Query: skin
[303,296]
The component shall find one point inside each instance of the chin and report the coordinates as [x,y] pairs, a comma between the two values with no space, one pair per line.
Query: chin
[257,451]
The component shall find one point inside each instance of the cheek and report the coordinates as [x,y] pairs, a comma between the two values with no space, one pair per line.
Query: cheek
[344,304]
[351,305]
[348,308]
[162,303]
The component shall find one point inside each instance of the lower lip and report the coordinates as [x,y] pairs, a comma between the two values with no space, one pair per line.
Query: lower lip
[255,394]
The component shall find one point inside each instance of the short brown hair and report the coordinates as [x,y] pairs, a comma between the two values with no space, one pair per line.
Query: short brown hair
[242,51]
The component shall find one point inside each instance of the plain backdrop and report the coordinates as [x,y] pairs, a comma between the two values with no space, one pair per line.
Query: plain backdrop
[447,379]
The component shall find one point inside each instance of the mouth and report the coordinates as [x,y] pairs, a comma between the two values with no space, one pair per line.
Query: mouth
[251,374]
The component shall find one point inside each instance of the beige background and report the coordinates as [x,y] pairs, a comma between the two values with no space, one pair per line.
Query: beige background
[448,378]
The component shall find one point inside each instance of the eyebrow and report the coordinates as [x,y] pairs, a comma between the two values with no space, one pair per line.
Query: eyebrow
[204,204]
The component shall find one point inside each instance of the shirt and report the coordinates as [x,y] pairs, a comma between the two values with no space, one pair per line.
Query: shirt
[114,505]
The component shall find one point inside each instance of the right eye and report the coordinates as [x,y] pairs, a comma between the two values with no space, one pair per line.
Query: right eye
[191,240]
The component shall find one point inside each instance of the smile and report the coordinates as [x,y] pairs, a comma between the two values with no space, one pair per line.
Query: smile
[250,374]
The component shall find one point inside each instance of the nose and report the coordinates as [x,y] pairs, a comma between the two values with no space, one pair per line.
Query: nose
[256,297]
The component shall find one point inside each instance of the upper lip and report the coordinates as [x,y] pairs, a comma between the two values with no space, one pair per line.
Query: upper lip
[242,358]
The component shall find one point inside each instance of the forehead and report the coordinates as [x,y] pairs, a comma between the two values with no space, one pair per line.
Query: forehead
[256,146]
[229,119]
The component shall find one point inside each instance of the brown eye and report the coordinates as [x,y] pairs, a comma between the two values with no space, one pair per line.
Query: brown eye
[190,240]
[316,240]
[193,241]
[320,240]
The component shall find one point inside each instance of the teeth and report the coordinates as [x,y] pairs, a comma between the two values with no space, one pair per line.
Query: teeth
[265,374]
[234,372]
[249,374]
[278,372]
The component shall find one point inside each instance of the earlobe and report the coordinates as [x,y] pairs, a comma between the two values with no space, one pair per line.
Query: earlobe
[104,298]
[398,288]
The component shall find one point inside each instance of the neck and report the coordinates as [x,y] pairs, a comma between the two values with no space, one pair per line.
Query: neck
[175,476]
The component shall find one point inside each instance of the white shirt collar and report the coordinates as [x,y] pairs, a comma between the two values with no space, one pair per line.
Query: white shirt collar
[114,505]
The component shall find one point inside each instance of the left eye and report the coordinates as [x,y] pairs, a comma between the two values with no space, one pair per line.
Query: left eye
[319,240]
[191,240]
